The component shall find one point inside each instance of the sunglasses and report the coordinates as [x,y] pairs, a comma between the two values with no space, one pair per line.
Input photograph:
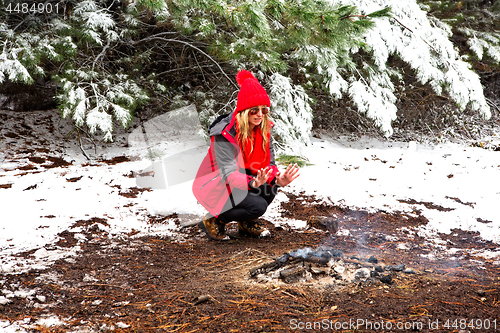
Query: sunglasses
[253,111]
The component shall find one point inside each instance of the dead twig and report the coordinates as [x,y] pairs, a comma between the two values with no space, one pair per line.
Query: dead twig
[169,40]
[288,294]
[358,262]
[452,303]
[179,327]
[104,285]
[492,104]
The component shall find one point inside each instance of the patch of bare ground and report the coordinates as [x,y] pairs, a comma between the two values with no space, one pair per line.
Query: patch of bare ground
[153,284]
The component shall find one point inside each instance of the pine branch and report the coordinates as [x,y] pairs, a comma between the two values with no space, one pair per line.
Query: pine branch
[168,40]
[425,41]
[349,17]
[104,49]
[379,13]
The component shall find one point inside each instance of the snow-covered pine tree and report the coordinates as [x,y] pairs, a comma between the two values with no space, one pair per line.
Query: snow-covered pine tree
[339,44]
[422,42]
[272,37]
[361,72]
[476,21]
[94,92]
[291,113]
[75,50]
[23,49]
[96,50]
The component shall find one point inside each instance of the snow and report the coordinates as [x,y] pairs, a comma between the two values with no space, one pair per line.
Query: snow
[366,173]
[25,325]
[292,114]
[375,175]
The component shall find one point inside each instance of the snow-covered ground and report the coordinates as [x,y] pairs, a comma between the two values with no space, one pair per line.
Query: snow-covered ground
[379,175]
[453,185]
[391,176]
[367,174]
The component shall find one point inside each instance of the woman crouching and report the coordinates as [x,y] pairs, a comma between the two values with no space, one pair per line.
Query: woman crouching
[238,178]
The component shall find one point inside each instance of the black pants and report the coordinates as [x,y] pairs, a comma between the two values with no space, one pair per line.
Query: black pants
[250,206]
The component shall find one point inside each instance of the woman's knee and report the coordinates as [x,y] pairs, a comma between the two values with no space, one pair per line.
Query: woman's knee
[257,206]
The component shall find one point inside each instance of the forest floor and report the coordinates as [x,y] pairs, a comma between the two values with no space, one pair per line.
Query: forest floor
[135,283]
[152,284]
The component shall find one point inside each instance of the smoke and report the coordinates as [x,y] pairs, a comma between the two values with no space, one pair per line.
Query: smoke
[320,252]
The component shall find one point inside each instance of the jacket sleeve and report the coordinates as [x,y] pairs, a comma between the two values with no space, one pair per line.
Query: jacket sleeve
[226,155]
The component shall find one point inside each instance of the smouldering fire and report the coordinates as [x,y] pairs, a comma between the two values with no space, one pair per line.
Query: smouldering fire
[325,264]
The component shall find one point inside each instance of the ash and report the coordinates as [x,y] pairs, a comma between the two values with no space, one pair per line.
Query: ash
[326,265]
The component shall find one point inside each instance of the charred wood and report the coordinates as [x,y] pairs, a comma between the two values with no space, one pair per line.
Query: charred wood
[271,266]
[292,274]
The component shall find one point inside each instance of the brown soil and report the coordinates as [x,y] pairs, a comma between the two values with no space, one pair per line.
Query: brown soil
[156,284]
[153,284]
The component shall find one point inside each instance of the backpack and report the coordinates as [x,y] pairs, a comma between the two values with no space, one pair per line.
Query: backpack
[217,120]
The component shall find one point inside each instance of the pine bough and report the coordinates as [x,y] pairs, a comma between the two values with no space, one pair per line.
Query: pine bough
[334,42]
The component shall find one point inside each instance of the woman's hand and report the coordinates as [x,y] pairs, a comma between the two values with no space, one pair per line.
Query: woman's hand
[262,176]
[290,174]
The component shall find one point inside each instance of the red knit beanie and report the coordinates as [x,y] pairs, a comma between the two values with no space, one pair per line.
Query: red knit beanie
[251,92]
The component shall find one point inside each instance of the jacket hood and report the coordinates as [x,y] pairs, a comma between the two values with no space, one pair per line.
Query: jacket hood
[220,124]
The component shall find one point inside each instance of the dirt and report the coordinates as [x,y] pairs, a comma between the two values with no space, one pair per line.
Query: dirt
[157,284]
[153,284]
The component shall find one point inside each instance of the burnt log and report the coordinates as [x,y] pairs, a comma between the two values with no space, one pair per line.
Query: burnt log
[323,261]
[359,262]
[292,274]
[271,266]
[320,256]
[387,279]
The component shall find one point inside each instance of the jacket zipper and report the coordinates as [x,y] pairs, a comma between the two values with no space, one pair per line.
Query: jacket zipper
[208,182]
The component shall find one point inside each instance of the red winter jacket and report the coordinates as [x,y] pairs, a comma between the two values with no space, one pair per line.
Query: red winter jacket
[222,168]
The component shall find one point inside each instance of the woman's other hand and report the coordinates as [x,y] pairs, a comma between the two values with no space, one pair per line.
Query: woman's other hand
[290,174]
[262,176]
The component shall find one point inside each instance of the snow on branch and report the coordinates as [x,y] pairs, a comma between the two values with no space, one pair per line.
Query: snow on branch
[14,69]
[95,20]
[423,43]
[291,112]
[483,43]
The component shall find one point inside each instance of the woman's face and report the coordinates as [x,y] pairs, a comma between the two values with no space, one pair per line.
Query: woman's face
[255,118]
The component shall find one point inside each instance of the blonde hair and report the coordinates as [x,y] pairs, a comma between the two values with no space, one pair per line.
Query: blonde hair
[243,132]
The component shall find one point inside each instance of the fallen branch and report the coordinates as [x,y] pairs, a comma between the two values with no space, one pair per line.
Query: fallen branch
[359,262]
[271,266]
[104,285]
